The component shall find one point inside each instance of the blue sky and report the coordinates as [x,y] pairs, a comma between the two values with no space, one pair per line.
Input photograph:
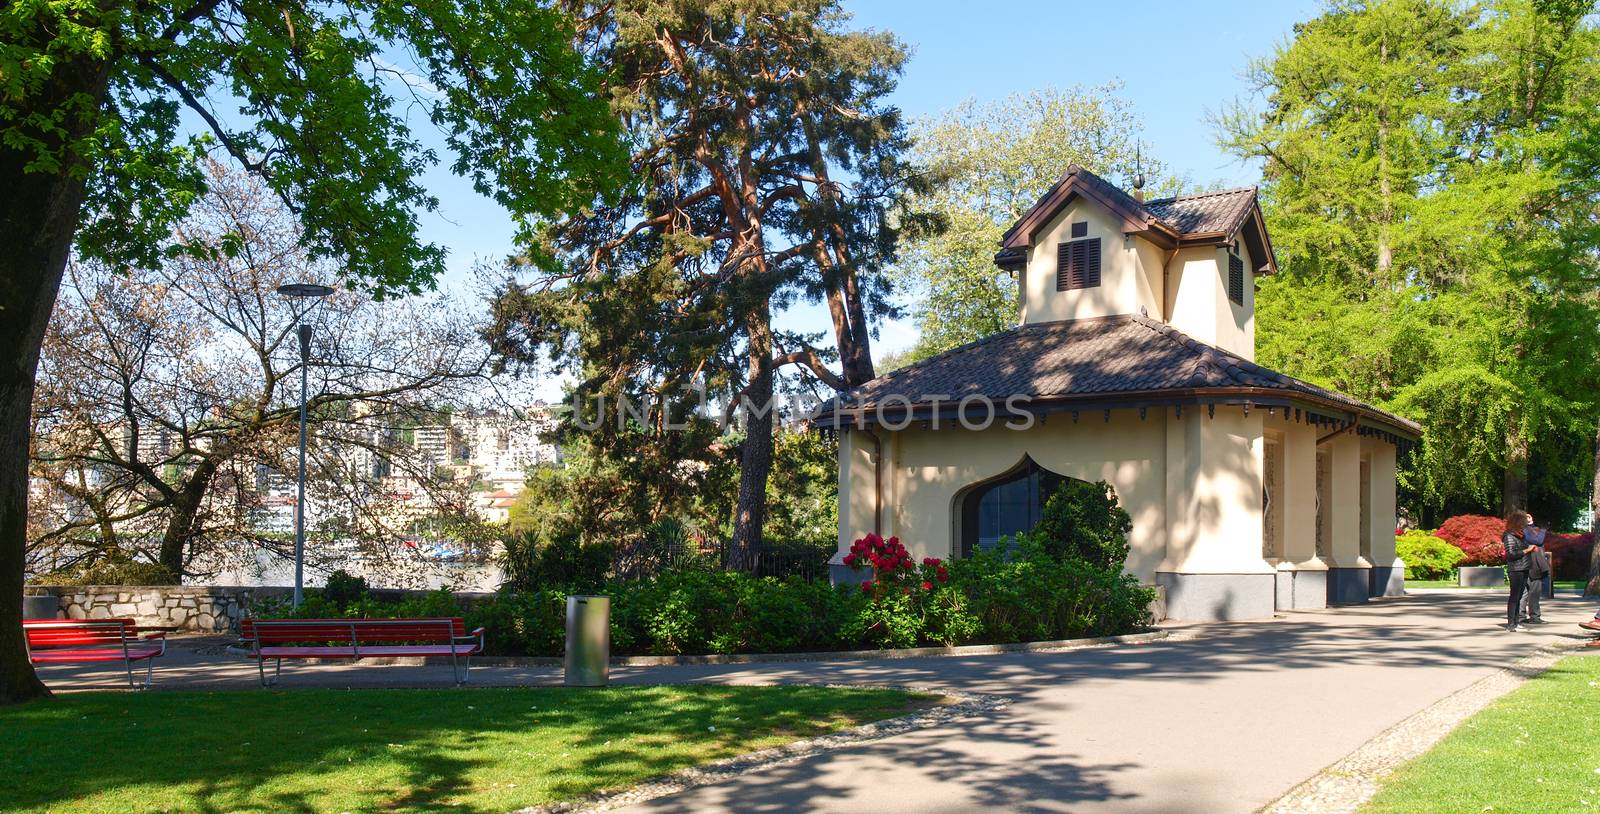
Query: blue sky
[1177,62]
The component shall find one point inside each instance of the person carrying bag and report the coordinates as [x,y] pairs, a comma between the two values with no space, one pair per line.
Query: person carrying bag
[1538,570]
[1517,564]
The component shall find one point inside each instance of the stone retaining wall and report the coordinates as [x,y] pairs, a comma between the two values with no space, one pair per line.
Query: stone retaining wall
[197,608]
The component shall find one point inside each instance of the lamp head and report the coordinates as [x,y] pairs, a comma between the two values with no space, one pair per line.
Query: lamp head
[303,290]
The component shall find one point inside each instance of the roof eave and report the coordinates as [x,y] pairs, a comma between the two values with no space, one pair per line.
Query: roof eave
[1257,396]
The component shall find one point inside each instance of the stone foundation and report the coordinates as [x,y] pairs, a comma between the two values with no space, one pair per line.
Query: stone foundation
[1218,597]
[1302,589]
[1389,580]
[1349,586]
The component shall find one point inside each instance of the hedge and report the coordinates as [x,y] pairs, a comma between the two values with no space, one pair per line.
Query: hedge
[692,609]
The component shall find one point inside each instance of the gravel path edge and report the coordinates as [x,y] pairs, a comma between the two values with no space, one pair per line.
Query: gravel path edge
[959,705]
[1347,785]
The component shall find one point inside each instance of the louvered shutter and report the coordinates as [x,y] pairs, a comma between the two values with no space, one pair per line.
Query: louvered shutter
[1091,263]
[1235,279]
[1078,264]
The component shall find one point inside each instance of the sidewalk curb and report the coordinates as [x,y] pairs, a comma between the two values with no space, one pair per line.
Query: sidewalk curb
[763,658]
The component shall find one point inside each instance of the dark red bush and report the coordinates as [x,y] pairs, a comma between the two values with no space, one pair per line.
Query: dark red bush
[1478,536]
[1570,553]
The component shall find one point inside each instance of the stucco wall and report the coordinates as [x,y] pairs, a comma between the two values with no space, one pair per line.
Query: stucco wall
[1199,304]
[1213,492]
[1124,287]
[925,469]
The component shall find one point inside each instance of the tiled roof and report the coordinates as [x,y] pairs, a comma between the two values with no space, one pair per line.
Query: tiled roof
[1096,360]
[1206,212]
[1206,216]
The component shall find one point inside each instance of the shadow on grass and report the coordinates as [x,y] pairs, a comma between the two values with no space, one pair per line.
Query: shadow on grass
[316,750]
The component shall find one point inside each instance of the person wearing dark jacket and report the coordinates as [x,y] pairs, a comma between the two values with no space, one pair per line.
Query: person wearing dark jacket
[1517,563]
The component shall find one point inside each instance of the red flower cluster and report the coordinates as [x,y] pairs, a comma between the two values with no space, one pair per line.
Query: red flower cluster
[892,564]
[1570,553]
[884,555]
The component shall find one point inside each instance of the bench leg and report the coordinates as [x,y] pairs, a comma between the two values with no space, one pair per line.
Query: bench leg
[149,672]
[455,667]
[128,665]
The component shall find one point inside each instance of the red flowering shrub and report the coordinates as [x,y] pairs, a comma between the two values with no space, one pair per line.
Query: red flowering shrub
[892,566]
[1570,554]
[1478,536]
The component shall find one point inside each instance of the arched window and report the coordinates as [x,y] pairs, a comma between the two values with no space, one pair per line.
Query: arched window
[1005,506]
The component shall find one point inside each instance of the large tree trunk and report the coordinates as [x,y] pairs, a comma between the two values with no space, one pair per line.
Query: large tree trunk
[755,456]
[38,220]
[1514,491]
[38,216]
[180,525]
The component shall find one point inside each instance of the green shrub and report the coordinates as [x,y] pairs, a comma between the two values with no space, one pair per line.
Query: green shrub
[533,563]
[1427,556]
[343,588]
[1083,521]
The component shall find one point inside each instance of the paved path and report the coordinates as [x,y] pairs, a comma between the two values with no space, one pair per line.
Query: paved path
[1224,718]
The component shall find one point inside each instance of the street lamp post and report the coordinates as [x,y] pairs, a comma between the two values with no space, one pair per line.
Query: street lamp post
[314,292]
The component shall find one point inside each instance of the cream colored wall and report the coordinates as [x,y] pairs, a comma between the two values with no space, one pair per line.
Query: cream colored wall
[1213,492]
[1300,493]
[1344,490]
[1381,457]
[1124,287]
[1199,304]
[926,469]
[1190,484]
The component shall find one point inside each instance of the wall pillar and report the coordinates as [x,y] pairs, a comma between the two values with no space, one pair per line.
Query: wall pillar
[1302,581]
[1349,574]
[1388,572]
[857,496]
[1213,569]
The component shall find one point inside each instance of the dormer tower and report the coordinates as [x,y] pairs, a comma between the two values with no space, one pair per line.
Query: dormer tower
[1087,249]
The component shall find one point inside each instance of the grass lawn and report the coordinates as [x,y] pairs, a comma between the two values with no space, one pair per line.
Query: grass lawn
[1535,750]
[489,750]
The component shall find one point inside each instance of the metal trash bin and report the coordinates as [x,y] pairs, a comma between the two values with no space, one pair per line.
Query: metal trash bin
[40,606]
[588,662]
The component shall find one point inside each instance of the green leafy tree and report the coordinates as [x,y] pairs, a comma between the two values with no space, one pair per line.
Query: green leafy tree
[770,166]
[988,163]
[311,97]
[1430,183]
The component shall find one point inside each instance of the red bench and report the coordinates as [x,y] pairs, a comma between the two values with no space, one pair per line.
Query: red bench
[51,641]
[280,639]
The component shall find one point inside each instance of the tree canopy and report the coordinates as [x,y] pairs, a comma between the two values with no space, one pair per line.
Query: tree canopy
[97,156]
[1431,182]
[769,164]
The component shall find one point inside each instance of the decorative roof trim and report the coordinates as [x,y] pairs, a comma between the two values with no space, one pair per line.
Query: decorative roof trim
[1076,182]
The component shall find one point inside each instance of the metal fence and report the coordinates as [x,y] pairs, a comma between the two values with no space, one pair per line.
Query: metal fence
[781,560]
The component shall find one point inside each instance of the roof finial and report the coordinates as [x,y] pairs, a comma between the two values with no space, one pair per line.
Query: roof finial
[1138,172]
